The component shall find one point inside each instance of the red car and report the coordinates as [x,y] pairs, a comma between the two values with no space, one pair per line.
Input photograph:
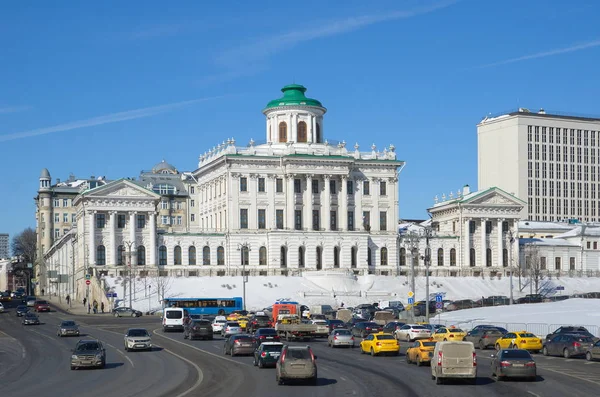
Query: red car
[41,306]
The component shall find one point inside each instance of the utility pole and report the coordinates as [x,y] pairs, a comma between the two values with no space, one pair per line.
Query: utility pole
[245,255]
[427,258]
[129,271]
[511,241]
[411,242]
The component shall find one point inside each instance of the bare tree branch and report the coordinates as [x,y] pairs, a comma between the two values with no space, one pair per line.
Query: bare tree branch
[24,244]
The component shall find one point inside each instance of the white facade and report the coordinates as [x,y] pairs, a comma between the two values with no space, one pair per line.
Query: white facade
[551,162]
[4,246]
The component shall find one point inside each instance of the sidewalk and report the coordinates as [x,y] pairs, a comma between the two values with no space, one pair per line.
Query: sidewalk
[76,308]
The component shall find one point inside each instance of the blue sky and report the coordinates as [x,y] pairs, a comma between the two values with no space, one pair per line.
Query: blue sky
[111,88]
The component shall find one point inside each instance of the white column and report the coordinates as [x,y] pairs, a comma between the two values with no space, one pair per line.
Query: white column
[132,226]
[313,129]
[112,257]
[483,247]
[308,206]
[467,245]
[358,226]
[92,238]
[289,128]
[151,250]
[290,201]
[294,129]
[252,209]
[271,189]
[234,199]
[343,207]
[499,251]
[375,194]
[326,202]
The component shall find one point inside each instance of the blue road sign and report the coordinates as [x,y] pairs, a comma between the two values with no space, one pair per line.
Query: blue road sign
[439,305]
[439,298]
[559,288]
[411,301]
[111,294]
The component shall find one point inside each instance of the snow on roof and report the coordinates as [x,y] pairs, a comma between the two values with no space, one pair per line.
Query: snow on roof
[556,242]
[537,225]
[488,119]
[591,231]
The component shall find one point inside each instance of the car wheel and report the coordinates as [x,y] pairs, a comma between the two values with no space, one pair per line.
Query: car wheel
[126,348]
[133,314]
[73,368]
[438,380]
[363,335]
[589,357]
[407,358]
[116,314]
[512,346]
[254,362]
[280,381]
[314,381]
[566,353]
[372,352]
[419,363]
[481,345]
[232,353]
[445,339]
[225,351]
[261,364]
[545,351]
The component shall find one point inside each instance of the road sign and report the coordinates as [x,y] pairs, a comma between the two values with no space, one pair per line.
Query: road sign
[559,288]
[87,282]
[439,298]
[88,276]
[111,294]
[439,305]
[411,301]
[411,294]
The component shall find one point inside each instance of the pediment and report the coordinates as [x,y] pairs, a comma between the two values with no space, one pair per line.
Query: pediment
[495,197]
[122,189]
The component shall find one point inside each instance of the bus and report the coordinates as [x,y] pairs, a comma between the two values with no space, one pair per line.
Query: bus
[213,306]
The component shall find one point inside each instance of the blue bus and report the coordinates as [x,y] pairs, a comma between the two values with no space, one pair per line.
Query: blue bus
[214,306]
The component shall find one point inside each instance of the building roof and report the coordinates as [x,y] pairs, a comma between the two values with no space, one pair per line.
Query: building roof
[164,166]
[45,174]
[293,94]
[555,242]
[540,114]
[590,231]
[544,226]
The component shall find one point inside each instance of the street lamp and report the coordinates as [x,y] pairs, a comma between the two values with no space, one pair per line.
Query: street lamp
[511,240]
[427,259]
[411,241]
[245,255]
[129,244]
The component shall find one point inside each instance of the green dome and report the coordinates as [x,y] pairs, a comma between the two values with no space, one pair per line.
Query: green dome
[293,94]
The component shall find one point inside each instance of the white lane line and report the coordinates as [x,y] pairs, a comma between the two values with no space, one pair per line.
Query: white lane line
[200,350]
[121,353]
[533,394]
[47,337]
[572,375]
[342,378]
[590,362]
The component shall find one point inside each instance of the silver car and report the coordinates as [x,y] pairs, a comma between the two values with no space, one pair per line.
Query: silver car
[137,339]
[68,328]
[340,337]
[296,363]
[231,328]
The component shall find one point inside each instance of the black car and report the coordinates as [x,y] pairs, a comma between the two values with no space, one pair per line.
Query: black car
[571,330]
[21,310]
[30,319]
[126,312]
[392,326]
[264,335]
[365,328]
[335,324]
[567,345]
[198,329]
[421,308]
[256,322]
[531,298]
[478,327]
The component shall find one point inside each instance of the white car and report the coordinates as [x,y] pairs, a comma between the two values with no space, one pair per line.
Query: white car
[231,328]
[412,332]
[217,324]
[137,339]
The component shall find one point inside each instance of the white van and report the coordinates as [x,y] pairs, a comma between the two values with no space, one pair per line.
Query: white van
[454,360]
[173,318]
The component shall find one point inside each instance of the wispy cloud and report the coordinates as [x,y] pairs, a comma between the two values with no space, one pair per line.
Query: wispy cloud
[14,109]
[557,51]
[105,119]
[263,48]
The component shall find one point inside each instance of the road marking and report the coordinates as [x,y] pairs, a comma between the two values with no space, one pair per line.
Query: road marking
[5,335]
[572,375]
[121,353]
[533,394]
[200,350]
[342,378]
[590,362]
[47,337]
[198,370]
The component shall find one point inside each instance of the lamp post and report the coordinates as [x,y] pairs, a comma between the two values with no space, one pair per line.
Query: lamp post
[427,259]
[511,240]
[73,242]
[411,241]
[129,244]
[245,256]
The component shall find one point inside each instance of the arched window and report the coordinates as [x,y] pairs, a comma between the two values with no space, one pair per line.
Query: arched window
[301,257]
[354,257]
[384,256]
[369,255]
[319,138]
[245,256]
[192,255]
[402,256]
[177,255]
[505,257]
[206,255]
[283,257]
[120,255]
[452,257]
[100,255]
[319,258]
[262,256]
[162,255]
[488,257]
[336,257]
[472,257]
[141,255]
[302,132]
[283,132]
[220,256]
[440,257]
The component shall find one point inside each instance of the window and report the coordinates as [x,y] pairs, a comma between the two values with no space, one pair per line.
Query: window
[298,219]
[297,186]
[279,185]
[383,220]
[319,138]
[283,257]
[73,218]
[206,255]
[261,185]
[440,257]
[65,217]
[279,219]
[193,217]
[452,256]
[164,205]
[333,220]
[262,222]
[141,221]
[283,132]
[488,257]
[301,251]
[350,220]
[56,202]
[557,263]
[192,190]
[141,255]
[332,187]
[353,257]
[369,257]
[350,187]
[402,256]
[65,231]
[162,255]
[366,188]
[56,233]
[319,257]
[595,245]
[65,202]
[472,257]
[367,220]
[192,255]
[302,134]
[315,186]
[120,255]
[100,221]
[192,203]
[336,257]
[472,227]
[262,256]
[488,227]
[164,219]
[572,263]
[504,227]
[543,263]
[384,256]
[244,218]
[177,255]
[220,256]
[382,188]
[100,255]
[505,257]
[120,221]
[315,220]
[56,218]
[243,184]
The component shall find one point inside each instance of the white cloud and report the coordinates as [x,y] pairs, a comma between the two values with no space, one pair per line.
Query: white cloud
[105,119]
[14,109]
[558,51]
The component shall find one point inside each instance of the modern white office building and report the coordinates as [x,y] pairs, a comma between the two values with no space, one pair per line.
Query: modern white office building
[4,245]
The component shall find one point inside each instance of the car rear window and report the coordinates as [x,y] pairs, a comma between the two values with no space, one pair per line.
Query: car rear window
[455,330]
[371,324]
[336,322]
[342,332]
[418,327]
[429,344]
[267,331]
[299,354]
[244,339]
[385,337]
[272,348]
[262,318]
[41,302]
[526,335]
[233,324]
[173,314]
[204,323]
[515,353]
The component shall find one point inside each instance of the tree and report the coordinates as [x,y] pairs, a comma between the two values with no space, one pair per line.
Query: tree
[163,284]
[24,244]
[535,266]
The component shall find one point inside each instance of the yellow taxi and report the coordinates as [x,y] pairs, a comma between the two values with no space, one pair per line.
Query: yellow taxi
[379,343]
[420,351]
[449,334]
[519,340]
[243,321]
[233,316]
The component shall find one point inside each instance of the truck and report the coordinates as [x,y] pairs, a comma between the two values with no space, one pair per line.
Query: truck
[285,308]
[291,327]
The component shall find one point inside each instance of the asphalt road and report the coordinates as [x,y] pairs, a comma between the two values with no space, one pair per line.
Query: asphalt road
[36,362]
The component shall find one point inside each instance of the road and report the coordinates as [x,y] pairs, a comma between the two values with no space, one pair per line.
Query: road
[36,362]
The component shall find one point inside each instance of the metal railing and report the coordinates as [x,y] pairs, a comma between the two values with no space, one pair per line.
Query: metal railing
[538,329]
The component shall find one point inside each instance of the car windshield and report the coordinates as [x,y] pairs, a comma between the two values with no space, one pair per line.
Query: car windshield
[21,307]
[68,324]
[137,332]
[88,346]
[267,331]
[526,335]
[385,337]
[515,353]
[428,344]
[342,332]
[299,354]
[272,348]
[203,323]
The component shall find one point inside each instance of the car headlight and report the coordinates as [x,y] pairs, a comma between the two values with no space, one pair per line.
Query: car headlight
[98,356]
[73,357]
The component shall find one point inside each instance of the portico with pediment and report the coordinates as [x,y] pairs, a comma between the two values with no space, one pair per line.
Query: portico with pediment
[485,223]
